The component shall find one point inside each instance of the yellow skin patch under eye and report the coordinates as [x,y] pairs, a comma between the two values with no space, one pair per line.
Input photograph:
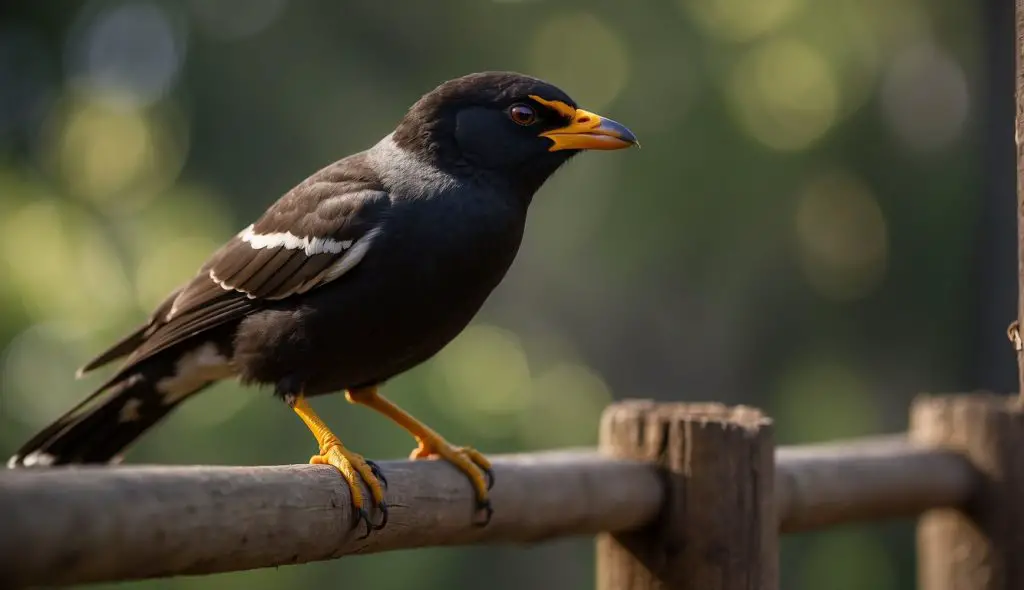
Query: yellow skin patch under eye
[556,105]
[585,130]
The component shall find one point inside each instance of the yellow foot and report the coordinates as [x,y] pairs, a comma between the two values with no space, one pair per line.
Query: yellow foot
[467,460]
[352,466]
[431,446]
[355,469]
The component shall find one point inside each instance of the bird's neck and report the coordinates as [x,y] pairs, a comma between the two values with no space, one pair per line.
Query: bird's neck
[406,173]
[410,174]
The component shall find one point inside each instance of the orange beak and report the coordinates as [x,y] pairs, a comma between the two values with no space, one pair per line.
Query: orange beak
[587,131]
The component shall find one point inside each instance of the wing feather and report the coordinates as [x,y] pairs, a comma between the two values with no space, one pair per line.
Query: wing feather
[312,235]
[288,269]
[245,279]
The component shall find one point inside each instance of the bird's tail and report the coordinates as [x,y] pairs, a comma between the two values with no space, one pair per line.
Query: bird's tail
[100,428]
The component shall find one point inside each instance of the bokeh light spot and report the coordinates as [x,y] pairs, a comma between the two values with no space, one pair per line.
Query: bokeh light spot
[116,158]
[62,264]
[102,149]
[566,405]
[925,97]
[785,94]
[740,20]
[842,237]
[586,56]
[131,52]
[486,375]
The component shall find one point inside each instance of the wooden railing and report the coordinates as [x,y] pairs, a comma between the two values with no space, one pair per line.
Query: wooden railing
[678,495]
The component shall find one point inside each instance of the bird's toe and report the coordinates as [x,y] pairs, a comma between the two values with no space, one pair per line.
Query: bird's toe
[470,462]
[359,472]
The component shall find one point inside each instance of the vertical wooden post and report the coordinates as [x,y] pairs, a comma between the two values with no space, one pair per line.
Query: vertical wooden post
[980,547]
[718,529]
[1019,139]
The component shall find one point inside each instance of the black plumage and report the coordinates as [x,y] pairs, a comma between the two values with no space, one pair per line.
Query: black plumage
[364,270]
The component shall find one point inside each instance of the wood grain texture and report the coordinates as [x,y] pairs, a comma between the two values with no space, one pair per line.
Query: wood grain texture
[65,526]
[979,547]
[718,529]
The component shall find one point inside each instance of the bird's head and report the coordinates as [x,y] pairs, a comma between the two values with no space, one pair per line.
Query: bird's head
[515,127]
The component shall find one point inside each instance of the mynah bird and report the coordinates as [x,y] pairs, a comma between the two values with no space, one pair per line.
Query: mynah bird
[363,271]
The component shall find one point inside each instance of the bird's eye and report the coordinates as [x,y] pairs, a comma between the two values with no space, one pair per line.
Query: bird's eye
[522,114]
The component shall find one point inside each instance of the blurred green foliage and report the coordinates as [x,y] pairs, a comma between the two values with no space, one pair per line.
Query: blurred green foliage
[800,213]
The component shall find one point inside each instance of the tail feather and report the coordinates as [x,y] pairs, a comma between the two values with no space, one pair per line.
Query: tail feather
[100,428]
[97,432]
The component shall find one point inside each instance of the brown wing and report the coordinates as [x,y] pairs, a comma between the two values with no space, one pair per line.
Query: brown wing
[311,236]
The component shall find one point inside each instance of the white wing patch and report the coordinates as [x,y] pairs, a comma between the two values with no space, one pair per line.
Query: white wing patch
[353,253]
[351,258]
[213,277]
[290,241]
[193,370]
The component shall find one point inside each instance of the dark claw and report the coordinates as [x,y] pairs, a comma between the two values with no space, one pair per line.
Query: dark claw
[383,516]
[484,505]
[489,474]
[375,469]
[363,516]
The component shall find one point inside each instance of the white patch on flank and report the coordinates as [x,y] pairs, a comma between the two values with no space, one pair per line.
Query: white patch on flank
[32,459]
[290,241]
[130,410]
[193,370]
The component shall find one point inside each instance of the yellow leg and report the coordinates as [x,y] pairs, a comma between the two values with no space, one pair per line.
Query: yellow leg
[352,466]
[433,446]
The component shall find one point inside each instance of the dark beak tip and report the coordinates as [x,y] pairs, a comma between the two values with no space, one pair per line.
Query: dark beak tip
[620,131]
[630,138]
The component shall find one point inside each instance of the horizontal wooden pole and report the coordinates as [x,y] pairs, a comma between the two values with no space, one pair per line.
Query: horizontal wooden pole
[871,479]
[63,526]
[66,526]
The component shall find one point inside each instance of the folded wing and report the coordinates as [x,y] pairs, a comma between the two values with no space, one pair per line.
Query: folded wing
[311,236]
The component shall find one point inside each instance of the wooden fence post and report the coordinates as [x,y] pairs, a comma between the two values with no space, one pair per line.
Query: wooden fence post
[718,529]
[1018,125]
[980,547]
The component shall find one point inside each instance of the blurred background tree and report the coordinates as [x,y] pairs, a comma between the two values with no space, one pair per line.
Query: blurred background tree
[820,223]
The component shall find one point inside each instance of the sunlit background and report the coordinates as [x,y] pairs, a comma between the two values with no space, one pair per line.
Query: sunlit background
[819,223]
